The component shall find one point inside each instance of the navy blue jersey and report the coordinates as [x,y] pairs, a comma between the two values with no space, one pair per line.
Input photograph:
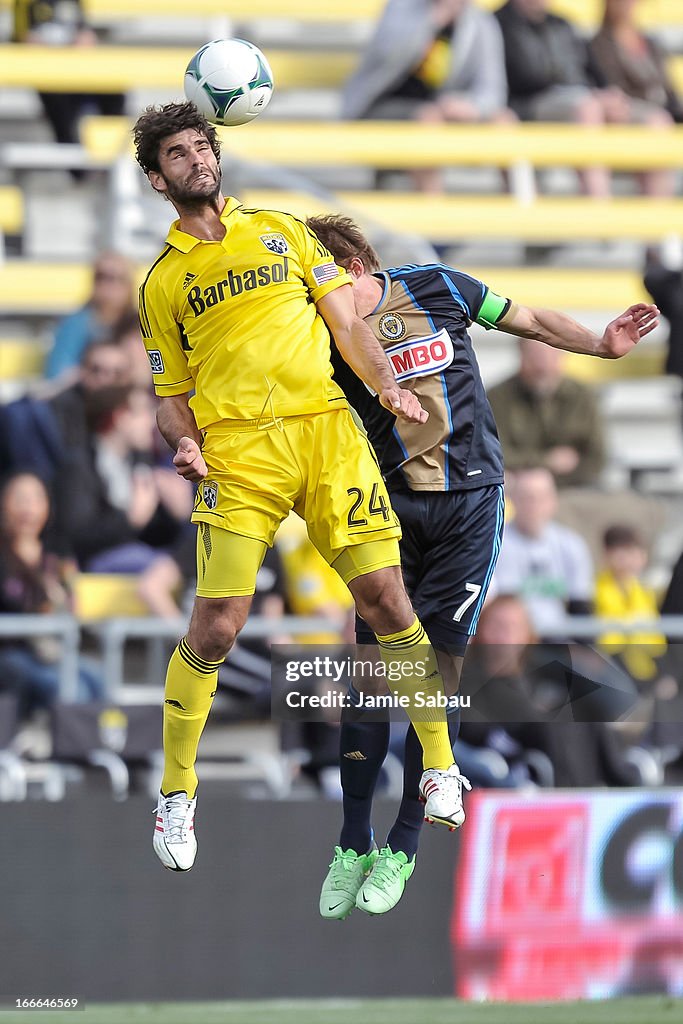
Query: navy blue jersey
[422,323]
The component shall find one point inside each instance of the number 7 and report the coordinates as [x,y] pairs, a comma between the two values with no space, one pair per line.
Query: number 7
[474,590]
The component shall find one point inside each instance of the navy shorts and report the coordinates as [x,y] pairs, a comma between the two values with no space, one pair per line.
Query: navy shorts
[450,546]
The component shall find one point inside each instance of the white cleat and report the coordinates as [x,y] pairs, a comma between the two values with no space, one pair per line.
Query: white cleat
[441,792]
[175,843]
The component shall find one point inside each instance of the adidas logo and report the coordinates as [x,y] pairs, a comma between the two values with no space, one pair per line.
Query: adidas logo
[189,278]
[355,755]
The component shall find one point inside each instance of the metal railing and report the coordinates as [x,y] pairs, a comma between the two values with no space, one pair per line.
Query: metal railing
[113,635]
[65,627]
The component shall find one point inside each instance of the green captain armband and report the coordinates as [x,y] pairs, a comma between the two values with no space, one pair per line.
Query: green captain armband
[491,310]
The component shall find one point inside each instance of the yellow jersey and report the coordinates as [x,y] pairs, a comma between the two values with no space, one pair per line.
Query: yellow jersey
[236,320]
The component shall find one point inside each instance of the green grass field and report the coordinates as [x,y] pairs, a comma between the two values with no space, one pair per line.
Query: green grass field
[642,1010]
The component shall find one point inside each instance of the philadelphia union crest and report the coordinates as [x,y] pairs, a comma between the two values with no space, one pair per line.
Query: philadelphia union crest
[275,242]
[392,326]
[210,494]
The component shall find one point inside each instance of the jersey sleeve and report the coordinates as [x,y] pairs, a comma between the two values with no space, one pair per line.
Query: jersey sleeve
[321,273]
[481,305]
[163,338]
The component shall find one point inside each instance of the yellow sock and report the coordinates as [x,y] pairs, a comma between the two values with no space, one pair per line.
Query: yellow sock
[409,647]
[190,689]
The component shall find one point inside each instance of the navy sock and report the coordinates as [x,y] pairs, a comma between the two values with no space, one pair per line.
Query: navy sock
[362,748]
[405,833]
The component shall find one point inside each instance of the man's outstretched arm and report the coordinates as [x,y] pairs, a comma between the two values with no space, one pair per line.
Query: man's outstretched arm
[561,331]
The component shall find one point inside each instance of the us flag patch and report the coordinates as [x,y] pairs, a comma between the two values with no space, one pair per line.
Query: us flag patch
[325,272]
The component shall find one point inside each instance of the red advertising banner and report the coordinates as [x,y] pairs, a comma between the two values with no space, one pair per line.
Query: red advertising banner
[570,895]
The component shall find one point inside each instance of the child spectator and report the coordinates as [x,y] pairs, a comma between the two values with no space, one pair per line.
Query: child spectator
[621,596]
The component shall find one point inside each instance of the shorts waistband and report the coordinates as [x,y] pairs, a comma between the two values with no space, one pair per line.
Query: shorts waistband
[261,423]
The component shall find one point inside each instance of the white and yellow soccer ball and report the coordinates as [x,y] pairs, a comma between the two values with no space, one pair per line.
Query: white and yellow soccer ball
[229,80]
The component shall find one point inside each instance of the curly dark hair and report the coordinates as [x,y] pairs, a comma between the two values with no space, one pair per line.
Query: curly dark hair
[345,240]
[156,123]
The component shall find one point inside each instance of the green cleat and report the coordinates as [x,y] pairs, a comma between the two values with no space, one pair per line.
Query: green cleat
[347,873]
[384,887]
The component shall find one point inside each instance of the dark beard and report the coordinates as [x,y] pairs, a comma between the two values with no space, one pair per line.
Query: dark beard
[183,196]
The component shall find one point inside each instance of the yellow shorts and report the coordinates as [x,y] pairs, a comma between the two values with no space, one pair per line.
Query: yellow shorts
[321,466]
[227,563]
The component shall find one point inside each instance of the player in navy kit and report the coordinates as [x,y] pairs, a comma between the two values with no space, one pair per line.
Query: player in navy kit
[445,479]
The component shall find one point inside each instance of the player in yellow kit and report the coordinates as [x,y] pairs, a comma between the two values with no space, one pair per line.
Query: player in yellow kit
[235,314]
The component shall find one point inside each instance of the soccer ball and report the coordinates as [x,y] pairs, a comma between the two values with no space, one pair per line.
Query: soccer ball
[229,80]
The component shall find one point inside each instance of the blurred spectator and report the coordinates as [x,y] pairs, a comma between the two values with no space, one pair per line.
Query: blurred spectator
[519,715]
[62,23]
[545,418]
[432,61]
[111,303]
[621,596]
[118,511]
[551,77]
[103,368]
[129,339]
[547,565]
[664,282]
[33,579]
[494,678]
[39,434]
[633,63]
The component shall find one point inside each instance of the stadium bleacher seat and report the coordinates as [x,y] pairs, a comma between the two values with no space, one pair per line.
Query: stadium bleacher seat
[585,13]
[392,144]
[121,68]
[21,358]
[11,210]
[449,219]
[100,596]
[63,286]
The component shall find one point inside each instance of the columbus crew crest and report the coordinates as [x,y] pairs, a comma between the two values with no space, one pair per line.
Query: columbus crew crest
[392,326]
[275,242]
[210,493]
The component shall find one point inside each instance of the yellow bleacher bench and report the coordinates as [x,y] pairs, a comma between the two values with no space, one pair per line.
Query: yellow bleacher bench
[39,288]
[11,210]
[21,358]
[391,144]
[451,218]
[100,596]
[584,13]
[122,68]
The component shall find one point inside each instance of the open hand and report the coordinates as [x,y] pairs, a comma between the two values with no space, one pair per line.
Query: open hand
[624,333]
